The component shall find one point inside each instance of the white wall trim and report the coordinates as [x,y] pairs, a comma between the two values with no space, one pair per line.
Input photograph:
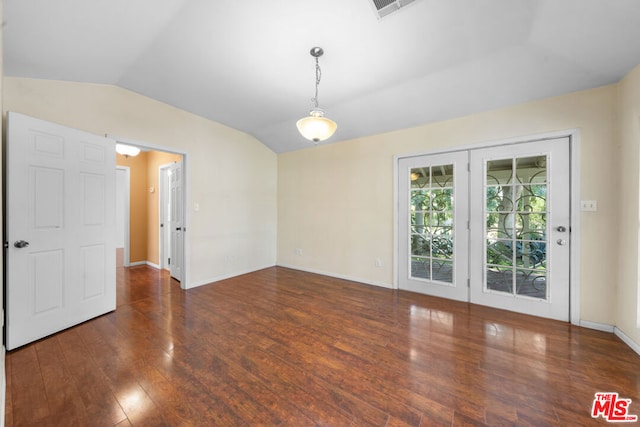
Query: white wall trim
[339,276]
[162,200]
[127,216]
[137,263]
[574,144]
[627,340]
[575,235]
[603,327]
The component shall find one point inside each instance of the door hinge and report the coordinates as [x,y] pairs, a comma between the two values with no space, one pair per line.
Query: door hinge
[468,167]
[468,283]
[468,225]
[169,261]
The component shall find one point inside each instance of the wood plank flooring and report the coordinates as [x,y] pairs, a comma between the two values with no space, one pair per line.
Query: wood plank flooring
[283,347]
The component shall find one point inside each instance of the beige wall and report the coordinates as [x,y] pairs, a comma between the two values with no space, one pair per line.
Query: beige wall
[230,174]
[628,305]
[335,201]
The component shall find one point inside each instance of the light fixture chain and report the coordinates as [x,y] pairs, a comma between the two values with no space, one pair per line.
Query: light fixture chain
[318,77]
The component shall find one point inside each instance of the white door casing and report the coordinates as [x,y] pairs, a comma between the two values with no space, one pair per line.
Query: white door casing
[61,202]
[163,211]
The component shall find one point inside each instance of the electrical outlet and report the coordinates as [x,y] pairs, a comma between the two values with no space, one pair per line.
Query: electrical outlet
[378,263]
[298,251]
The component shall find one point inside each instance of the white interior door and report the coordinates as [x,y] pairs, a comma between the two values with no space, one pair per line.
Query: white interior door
[176,220]
[433,233]
[520,227]
[60,228]
[163,210]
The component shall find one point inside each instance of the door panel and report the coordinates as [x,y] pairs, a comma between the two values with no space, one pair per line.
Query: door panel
[519,257]
[176,220]
[61,201]
[433,227]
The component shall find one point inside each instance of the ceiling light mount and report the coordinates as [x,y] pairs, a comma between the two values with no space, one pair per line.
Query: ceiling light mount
[316,52]
[316,127]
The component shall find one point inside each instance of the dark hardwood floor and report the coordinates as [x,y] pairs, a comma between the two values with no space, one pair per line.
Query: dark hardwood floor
[283,347]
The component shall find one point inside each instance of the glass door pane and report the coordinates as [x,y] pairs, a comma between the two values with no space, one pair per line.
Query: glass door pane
[516,226]
[432,223]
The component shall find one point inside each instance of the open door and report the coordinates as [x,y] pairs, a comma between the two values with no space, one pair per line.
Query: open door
[60,228]
[176,220]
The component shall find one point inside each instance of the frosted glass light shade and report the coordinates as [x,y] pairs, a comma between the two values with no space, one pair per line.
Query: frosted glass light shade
[127,150]
[316,127]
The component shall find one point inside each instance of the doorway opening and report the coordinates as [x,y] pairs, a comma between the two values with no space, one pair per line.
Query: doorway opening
[148,208]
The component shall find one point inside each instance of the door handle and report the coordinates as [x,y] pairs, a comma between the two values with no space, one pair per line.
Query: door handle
[178,228]
[562,229]
[20,244]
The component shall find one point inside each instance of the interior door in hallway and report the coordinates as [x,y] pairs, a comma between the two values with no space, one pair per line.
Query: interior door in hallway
[176,220]
[60,228]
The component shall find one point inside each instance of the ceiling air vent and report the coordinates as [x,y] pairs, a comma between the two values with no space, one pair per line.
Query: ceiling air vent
[385,7]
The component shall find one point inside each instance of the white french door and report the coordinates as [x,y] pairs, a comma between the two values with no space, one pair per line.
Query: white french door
[502,221]
[60,228]
[433,234]
[520,228]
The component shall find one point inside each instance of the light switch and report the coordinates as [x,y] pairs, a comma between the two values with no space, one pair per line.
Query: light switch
[588,205]
[196,207]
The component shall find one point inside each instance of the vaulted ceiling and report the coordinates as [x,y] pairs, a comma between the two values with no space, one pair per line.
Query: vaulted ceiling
[246,63]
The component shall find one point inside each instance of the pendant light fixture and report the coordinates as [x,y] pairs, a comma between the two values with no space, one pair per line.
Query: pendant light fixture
[316,127]
[127,150]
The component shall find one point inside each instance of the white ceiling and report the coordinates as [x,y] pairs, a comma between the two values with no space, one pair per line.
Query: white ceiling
[246,63]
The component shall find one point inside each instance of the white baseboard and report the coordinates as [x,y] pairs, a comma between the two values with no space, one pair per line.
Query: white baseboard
[137,263]
[149,263]
[614,330]
[597,326]
[225,276]
[339,276]
[627,340]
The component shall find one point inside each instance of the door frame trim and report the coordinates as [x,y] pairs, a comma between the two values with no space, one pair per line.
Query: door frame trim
[127,216]
[574,155]
[162,198]
[186,186]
